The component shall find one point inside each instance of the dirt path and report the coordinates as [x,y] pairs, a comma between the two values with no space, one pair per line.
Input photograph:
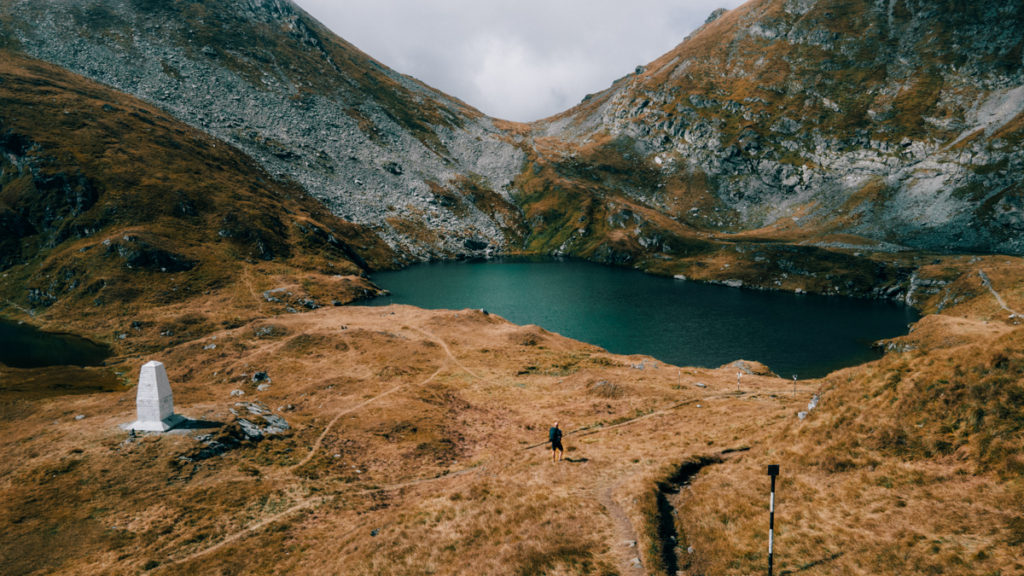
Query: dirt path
[309,503]
[434,338]
[300,505]
[418,482]
[588,430]
[625,545]
[999,299]
[31,313]
[319,441]
[257,298]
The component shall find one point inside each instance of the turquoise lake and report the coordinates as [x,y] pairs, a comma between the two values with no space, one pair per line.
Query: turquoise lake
[678,322]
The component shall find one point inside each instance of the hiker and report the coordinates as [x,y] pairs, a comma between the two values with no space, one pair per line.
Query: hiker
[555,437]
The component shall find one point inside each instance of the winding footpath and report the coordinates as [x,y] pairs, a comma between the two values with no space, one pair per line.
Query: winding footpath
[433,338]
[320,439]
[999,299]
[252,528]
[310,503]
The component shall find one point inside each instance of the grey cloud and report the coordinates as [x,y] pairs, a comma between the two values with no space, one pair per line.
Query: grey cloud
[520,61]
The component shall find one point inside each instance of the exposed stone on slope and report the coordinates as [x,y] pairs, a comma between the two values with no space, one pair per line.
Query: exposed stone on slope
[897,121]
[110,209]
[264,76]
[872,129]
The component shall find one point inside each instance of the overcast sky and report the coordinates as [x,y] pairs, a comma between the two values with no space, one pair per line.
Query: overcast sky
[521,60]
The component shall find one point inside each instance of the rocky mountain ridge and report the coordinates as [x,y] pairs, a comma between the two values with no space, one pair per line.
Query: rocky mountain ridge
[376,147]
[898,122]
[111,211]
[787,144]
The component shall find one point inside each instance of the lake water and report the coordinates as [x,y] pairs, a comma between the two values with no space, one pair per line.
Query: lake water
[678,322]
[23,346]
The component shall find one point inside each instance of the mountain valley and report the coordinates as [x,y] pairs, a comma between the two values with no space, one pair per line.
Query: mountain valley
[212,184]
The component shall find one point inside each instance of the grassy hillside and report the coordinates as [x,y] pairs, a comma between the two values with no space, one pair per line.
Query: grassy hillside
[911,465]
[605,201]
[416,447]
[112,209]
[371,144]
[415,439]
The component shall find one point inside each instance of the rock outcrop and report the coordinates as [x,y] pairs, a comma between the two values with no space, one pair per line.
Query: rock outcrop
[108,203]
[426,172]
[779,134]
[899,122]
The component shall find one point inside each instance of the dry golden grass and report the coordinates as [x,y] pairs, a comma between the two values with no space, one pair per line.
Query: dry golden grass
[417,436]
[910,465]
[416,449]
[415,424]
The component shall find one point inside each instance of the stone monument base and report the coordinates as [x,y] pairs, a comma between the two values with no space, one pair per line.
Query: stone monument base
[155,425]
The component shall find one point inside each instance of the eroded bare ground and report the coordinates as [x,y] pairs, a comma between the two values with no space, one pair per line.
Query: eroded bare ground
[414,449]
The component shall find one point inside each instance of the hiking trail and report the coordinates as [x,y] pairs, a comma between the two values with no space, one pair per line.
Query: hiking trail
[626,545]
[999,299]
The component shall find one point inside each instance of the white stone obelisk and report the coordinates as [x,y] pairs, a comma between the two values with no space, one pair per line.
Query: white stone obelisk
[154,402]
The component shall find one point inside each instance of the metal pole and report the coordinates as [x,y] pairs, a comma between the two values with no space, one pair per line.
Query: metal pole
[773,471]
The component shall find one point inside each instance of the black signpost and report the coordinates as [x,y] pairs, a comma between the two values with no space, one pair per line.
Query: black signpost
[773,471]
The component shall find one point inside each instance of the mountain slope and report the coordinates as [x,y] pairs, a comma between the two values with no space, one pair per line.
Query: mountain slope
[426,172]
[795,128]
[416,437]
[899,122]
[113,210]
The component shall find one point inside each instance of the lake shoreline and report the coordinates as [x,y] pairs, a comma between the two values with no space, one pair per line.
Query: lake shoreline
[630,312]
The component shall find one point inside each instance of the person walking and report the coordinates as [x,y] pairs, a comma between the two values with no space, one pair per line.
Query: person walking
[555,437]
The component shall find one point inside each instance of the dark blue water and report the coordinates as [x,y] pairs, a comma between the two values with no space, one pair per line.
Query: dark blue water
[678,322]
[24,346]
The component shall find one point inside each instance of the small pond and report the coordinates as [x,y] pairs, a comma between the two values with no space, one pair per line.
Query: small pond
[679,322]
[24,346]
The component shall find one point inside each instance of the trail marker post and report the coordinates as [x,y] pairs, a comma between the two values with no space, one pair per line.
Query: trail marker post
[773,471]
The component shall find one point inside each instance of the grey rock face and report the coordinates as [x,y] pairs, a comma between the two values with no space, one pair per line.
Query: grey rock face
[258,420]
[293,106]
[920,149]
[923,152]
